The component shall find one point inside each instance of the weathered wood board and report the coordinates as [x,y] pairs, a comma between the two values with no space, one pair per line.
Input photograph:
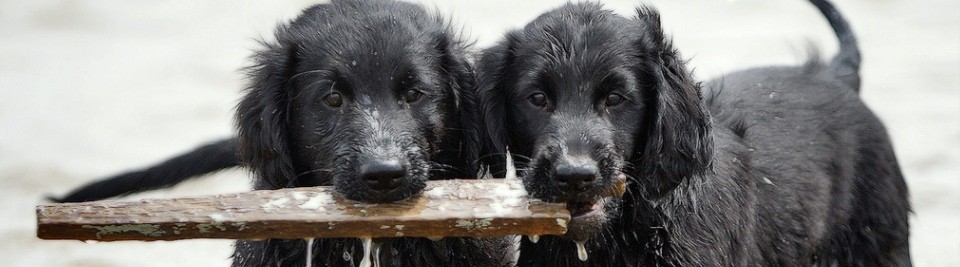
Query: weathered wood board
[462,208]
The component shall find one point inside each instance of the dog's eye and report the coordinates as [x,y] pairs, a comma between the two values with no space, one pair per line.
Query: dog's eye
[538,99]
[613,100]
[333,100]
[412,95]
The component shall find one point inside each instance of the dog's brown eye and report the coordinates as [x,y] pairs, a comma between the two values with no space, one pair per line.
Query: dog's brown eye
[538,99]
[412,95]
[614,99]
[333,100]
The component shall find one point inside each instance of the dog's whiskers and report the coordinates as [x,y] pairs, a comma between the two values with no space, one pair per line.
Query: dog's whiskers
[445,168]
[313,171]
[514,155]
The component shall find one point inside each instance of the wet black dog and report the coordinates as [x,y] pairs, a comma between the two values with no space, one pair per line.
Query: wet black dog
[372,97]
[776,166]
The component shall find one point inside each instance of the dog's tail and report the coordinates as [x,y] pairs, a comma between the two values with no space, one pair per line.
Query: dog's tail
[846,64]
[202,160]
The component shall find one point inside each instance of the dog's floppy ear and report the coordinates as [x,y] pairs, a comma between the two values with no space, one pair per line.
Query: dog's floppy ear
[460,80]
[261,117]
[677,141]
[493,80]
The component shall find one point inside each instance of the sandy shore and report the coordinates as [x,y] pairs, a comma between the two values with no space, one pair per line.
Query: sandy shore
[96,87]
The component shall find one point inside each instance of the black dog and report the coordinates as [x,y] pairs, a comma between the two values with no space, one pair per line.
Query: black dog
[372,97]
[776,166]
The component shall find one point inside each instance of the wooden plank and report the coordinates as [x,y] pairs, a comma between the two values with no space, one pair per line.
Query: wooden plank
[462,208]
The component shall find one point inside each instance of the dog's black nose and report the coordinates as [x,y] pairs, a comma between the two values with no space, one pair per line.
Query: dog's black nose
[382,175]
[575,177]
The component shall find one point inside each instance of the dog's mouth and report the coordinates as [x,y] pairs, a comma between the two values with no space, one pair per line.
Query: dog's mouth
[593,207]
[590,202]
[587,218]
[402,191]
[584,208]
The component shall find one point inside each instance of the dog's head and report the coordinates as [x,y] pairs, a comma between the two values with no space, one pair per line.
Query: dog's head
[588,99]
[370,96]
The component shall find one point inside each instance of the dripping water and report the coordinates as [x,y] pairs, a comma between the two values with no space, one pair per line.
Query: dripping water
[367,243]
[309,252]
[376,254]
[533,238]
[511,170]
[581,251]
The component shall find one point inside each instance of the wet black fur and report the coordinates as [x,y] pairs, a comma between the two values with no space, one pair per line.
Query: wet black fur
[370,52]
[203,160]
[774,166]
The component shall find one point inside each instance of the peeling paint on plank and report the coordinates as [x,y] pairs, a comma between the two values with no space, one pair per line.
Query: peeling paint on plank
[145,229]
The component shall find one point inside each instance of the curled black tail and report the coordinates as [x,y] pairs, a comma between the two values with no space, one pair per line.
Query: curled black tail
[846,64]
[202,160]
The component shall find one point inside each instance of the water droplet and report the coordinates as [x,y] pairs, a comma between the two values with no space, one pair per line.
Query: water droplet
[367,242]
[309,252]
[581,251]
[511,170]
[376,254]
[533,238]
[353,63]
[346,256]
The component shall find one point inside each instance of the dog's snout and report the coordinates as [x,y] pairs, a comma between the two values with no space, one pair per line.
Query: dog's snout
[383,174]
[573,177]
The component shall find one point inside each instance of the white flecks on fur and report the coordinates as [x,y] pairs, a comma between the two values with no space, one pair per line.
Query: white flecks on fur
[380,142]
[579,160]
[364,100]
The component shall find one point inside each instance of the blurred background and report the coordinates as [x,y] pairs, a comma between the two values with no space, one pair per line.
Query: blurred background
[90,88]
